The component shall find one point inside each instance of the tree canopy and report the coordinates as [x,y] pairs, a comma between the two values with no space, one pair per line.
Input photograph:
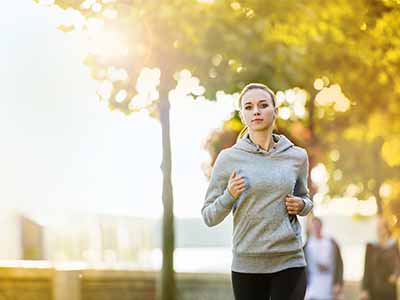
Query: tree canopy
[334,64]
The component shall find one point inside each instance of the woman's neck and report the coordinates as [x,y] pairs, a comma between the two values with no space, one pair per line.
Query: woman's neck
[262,138]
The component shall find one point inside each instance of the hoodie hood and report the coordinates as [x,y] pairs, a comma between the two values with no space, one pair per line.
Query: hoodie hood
[282,144]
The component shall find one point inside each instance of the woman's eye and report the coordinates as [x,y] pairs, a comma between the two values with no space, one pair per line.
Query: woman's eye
[247,107]
[264,105]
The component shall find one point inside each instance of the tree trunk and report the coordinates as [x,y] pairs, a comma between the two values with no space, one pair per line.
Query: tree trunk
[378,201]
[378,175]
[167,289]
[312,148]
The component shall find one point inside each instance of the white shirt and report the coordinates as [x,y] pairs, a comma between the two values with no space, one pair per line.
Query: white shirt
[320,282]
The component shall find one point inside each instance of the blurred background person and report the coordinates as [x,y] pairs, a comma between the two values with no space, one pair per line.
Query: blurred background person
[324,264]
[382,265]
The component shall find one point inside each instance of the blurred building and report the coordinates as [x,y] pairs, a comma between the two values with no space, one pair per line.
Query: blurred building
[10,235]
[94,239]
[99,239]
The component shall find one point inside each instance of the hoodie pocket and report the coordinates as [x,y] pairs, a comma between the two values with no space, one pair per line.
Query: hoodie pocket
[265,236]
[295,227]
[240,230]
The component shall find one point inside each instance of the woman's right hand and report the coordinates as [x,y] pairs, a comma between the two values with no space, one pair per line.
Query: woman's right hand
[364,295]
[236,185]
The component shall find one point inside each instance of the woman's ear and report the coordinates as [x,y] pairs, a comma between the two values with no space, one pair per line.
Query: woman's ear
[275,112]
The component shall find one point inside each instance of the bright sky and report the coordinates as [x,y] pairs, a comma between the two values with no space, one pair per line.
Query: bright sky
[64,150]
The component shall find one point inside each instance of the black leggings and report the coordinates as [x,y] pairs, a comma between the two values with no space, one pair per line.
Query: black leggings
[289,284]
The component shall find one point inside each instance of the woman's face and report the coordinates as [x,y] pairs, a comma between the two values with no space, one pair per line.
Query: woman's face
[258,111]
[316,227]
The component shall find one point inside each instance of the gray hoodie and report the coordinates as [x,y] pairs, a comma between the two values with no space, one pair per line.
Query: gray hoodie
[265,238]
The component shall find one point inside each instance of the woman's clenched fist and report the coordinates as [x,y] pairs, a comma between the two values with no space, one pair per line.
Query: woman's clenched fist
[236,185]
[294,205]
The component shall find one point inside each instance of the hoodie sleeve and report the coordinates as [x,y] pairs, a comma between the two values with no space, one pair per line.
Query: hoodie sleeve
[301,187]
[218,200]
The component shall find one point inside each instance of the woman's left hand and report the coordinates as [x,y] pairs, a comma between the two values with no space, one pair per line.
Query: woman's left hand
[294,205]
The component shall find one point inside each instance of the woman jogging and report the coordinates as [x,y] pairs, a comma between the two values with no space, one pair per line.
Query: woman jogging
[381,266]
[262,179]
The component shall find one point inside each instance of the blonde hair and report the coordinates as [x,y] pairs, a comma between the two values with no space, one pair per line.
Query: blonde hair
[248,87]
